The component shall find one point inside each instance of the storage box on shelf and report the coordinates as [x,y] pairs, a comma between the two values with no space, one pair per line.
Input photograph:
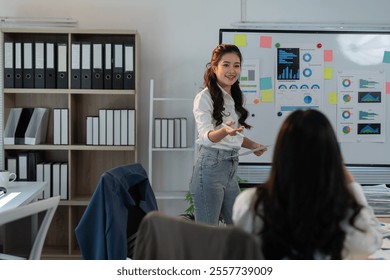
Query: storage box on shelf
[85,162]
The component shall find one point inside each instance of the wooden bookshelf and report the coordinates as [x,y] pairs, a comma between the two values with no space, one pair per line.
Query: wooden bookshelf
[85,162]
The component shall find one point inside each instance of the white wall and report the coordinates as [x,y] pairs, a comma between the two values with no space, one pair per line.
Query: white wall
[177,36]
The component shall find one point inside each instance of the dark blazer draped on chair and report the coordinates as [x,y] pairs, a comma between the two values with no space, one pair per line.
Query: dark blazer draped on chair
[122,197]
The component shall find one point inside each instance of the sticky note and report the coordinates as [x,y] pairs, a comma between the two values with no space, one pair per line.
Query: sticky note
[265,41]
[267,96]
[328,55]
[386,57]
[328,73]
[388,87]
[240,40]
[265,83]
[332,97]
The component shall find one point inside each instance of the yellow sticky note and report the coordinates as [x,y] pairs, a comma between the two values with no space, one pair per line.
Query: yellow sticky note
[328,73]
[240,40]
[332,97]
[267,96]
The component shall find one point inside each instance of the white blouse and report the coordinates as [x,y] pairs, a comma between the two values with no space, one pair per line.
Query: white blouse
[357,244]
[203,112]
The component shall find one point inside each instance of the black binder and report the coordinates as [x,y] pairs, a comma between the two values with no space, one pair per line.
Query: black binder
[86,71]
[39,69]
[9,65]
[18,65]
[76,63]
[97,66]
[22,125]
[129,77]
[107,66]
[62,72]
[28,64]
[117,79]
[50,69]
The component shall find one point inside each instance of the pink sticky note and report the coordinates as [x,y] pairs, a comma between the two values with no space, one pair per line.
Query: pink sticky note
[265,41]
[328,55]
[388,87]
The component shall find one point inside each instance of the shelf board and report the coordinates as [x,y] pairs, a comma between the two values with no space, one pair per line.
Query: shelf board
[69,147]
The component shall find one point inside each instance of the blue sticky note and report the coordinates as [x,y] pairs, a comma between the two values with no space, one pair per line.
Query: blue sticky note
[386,57]
[265,83]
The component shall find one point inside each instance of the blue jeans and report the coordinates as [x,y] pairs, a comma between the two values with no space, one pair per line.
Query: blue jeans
[214,185]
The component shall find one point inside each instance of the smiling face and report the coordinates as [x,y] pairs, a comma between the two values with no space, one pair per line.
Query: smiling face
[228,70]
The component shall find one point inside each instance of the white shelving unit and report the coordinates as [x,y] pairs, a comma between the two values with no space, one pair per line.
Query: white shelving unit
[170,169]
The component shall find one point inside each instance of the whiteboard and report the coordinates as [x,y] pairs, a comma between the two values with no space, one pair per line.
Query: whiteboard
[344,74]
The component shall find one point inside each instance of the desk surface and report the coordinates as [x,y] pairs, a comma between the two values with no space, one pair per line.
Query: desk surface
[20,193]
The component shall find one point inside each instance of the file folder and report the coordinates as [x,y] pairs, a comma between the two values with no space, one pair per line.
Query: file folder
[28,72]
[131,129]
[117,127]
[39,70]
[62,72]
[37,128]
[50,71]
[117,82]
[22,126]
[64,126]
[86,65]
[89,128]
[124,127]
[102,127]
[64,180]
[157,132]
[56,126]
[97,66]
[107,66]
[76,61]
[110,127]
[12,124]
[18,66]
[129,77]
[9,65]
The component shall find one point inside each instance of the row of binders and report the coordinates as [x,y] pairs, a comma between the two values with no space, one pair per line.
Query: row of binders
[170,133]
[30,166]
[35,65]
[45,65]
[102,66]
[26,126]
[112,127]
[56,174]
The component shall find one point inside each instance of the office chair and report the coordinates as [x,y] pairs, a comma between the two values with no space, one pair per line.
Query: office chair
[163,237]
[49,205]
[108,228]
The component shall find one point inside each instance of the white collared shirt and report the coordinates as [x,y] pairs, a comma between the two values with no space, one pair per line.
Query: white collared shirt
[203,113]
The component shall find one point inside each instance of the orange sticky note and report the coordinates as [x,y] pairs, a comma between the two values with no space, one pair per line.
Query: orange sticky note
[266,42]
[328,55]
[388,87]
[240,40]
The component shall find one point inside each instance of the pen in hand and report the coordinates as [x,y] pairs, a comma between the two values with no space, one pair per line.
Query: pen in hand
[238,133]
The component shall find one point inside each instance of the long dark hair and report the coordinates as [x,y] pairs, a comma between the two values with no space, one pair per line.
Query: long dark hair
[306,196]
[210,81]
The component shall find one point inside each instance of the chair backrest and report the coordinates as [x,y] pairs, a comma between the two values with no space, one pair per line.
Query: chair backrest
[110,222]
[49,205]
[163,237]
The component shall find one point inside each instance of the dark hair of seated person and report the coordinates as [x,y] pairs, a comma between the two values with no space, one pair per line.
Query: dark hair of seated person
[306,196]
